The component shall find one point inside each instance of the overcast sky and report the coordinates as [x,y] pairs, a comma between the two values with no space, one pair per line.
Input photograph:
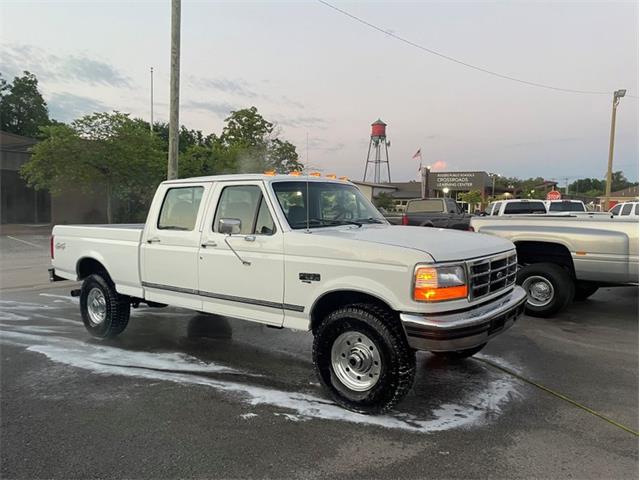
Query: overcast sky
[311,69]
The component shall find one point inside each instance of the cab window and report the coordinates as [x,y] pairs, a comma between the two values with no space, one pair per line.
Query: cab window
[496,208]
[616,210]
[247,204]
[180,208]
[626,209]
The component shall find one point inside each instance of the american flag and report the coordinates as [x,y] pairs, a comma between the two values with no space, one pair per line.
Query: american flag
[417,155]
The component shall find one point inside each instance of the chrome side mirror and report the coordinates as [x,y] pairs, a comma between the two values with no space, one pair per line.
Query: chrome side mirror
[229,226]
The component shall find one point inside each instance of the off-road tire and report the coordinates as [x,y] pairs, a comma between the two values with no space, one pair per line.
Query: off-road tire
[118,307]
[456,355]
[398,361]
[563,288]
[585,290]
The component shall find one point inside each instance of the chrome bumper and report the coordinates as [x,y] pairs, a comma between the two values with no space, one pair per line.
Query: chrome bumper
[466,329]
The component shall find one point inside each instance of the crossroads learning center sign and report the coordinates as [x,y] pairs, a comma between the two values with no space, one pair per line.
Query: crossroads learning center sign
[459,181]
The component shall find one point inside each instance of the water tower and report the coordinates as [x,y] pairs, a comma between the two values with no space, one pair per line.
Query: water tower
[378,142]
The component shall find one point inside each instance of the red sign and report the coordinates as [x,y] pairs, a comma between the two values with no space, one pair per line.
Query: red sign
[554,195]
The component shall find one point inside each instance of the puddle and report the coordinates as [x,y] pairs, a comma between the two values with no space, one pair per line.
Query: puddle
[476,406]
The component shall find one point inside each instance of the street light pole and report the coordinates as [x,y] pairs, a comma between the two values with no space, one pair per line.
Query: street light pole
[617,95]
[174,94]
[151,116]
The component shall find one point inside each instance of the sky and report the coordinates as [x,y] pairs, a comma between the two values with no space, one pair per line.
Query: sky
[321,75]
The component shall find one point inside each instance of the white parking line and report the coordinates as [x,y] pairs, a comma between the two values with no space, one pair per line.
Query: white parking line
[24,241]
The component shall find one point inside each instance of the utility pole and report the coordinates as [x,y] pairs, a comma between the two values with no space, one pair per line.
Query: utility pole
[151,117]
[617,95]
[174,94]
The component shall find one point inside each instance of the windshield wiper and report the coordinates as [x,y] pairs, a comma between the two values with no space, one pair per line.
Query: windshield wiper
[369,220]
[319,222]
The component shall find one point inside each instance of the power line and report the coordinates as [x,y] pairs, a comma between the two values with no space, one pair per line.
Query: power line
[460,62]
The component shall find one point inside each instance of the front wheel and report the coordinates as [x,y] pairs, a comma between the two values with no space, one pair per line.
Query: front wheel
[105,313]
[549,288]
[362,358]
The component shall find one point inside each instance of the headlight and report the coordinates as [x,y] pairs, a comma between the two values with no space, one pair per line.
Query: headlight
[435,284]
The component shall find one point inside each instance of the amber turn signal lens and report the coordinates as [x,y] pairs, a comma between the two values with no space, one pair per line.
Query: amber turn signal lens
[439,294]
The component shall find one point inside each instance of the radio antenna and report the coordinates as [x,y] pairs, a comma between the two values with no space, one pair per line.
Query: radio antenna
[306,203]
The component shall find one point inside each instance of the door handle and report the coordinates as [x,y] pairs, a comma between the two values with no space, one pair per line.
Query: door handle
[209,243]
[250,238]
[153,240]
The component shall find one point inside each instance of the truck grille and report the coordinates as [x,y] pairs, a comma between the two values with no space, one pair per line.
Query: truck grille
[491,274]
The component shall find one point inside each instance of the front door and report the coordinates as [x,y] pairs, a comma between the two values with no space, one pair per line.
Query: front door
[242,275]
[170,244]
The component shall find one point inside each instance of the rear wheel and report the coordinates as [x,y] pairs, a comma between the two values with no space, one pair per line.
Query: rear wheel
[362,358]
[105,313]
[549,288]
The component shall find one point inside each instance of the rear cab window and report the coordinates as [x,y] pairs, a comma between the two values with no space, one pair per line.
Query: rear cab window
[626,209]
[180,208]
[565,206]
[425,206]
[525,207]
[496,208]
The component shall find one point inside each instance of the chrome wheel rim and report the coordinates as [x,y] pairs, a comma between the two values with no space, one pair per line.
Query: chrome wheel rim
[356,362]
[539,290]
[96,306]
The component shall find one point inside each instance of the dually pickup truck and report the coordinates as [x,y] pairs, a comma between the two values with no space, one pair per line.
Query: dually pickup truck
[302,253]
[565,257]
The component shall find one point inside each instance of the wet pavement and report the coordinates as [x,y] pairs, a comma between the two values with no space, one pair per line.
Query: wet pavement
[180,394]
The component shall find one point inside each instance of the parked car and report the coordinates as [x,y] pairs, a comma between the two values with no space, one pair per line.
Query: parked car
[562,258]
[563,206]
[309,254]
[435,212]
[625,210]
[516,207]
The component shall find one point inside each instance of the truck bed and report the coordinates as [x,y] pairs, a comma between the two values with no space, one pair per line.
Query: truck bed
[116,247]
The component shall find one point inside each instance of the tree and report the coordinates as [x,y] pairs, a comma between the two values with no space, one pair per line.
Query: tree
[472,198]
[246,127]
[587,186]
[383,200]
[108,150]
[22,109]
[247,144]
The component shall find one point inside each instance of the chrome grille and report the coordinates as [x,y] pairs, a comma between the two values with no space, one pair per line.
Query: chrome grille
[491,274]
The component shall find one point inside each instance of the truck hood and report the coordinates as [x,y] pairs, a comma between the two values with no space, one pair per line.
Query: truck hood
[442,244]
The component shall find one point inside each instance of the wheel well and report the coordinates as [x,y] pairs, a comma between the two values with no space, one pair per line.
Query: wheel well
[540,252]
[334,300]
[88,266]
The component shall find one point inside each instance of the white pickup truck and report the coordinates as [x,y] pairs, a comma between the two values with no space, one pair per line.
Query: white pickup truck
[303,253]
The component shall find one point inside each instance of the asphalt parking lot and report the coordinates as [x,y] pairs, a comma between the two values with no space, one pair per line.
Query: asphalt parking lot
[181,394]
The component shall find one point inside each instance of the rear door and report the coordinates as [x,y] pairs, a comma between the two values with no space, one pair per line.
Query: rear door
[170,244]
[242,275]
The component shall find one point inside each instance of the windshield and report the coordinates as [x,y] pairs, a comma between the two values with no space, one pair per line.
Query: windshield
[329,204]
[566,207]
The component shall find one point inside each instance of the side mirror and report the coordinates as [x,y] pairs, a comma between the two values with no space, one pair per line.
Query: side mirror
[229,226]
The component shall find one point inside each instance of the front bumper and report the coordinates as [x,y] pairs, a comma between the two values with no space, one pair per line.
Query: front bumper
[465,329]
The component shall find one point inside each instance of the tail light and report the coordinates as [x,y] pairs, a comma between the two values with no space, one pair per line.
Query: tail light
[51,246]
[405,219]
[471,229]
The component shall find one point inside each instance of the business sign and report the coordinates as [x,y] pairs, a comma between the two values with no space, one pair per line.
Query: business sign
[554,195]
[459,181]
